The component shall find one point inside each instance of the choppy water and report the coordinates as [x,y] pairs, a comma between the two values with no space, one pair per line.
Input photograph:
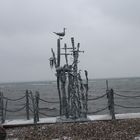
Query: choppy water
[48,91]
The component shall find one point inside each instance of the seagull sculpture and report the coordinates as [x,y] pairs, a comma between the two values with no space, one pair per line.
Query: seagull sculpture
[62,34]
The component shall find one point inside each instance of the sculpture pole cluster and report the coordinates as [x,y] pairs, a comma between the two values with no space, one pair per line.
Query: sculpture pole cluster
[72,90]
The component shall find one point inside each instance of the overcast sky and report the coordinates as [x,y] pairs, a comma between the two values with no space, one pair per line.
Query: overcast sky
[108,30]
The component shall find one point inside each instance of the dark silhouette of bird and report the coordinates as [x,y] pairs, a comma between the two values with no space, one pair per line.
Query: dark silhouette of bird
[61,34]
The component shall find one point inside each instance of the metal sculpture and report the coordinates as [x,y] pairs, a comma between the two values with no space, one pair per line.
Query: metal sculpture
[72,90]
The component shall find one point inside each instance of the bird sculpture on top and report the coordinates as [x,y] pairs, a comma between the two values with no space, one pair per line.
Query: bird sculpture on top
[62,34]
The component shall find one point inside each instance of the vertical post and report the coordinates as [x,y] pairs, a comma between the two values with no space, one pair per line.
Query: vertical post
[66,57]
[58,75]
[37,105]
[2,108]
[86,94]
[27,105]
[59,92]
[58,52]
[75,100]
[34,108]
[72,41]
[77,93]
[107,85]
[6,104]
[110,96]
[112,111]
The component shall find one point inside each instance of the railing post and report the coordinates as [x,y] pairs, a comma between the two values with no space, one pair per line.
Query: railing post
[110,96]
[112,104]
[2,108]
[37,105]
[34,107]
[107,85]
[27,104]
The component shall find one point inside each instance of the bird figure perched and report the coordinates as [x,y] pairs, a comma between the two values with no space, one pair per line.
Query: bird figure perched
[61,34]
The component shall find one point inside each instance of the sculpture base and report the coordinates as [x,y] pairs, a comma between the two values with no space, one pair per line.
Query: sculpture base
[64,119]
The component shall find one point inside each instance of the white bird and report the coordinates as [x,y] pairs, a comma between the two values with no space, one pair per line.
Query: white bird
[61,34]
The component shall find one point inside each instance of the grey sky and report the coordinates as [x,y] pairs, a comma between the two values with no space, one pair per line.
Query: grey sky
[108,31]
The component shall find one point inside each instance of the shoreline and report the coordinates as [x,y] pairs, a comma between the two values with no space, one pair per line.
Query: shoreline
[126,129]
[62,119]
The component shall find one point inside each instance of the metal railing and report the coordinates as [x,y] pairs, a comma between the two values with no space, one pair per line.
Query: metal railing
[32,105]
[126,97]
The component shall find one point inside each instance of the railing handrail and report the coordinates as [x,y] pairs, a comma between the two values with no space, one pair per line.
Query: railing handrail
[33,103]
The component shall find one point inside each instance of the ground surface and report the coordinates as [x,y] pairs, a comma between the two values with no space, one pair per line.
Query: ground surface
[97,130]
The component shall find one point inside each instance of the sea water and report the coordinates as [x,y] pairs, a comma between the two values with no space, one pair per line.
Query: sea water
[48,91]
